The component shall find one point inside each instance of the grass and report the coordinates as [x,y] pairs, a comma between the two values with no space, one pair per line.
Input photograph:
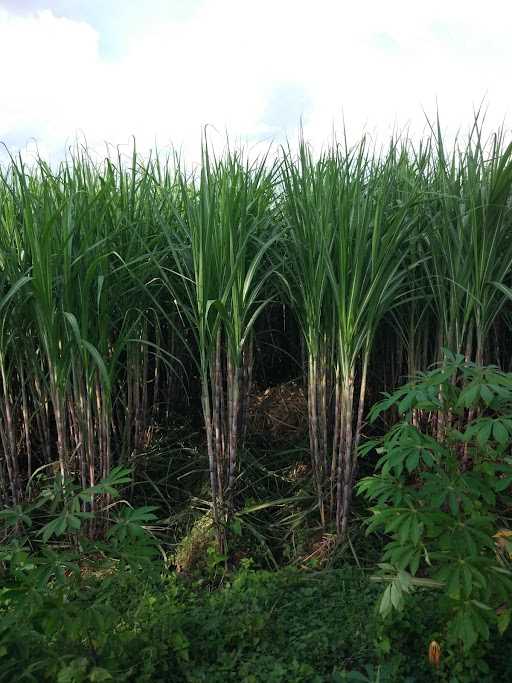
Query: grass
[283,627]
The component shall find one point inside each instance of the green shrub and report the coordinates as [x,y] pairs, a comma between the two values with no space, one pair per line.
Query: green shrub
[442,481]
[57,583]
[261,626]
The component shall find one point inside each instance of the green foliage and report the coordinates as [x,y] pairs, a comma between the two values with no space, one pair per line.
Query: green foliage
[118,278]
[261,626]
[56,608]
[287,626]
[404,638]
[443,480]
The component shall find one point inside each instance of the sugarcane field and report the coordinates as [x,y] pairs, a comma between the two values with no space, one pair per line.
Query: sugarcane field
[255,379]
[251,382]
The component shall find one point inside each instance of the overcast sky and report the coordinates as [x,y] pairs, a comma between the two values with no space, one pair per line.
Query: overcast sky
[160,70]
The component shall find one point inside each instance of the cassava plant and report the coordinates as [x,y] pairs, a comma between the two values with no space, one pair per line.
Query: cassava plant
[441,498]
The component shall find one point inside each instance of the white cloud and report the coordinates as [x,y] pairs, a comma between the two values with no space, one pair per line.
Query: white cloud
[42,60]
[238,66]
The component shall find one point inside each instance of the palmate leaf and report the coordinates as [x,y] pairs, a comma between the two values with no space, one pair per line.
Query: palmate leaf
[368,446]
[500,432]
[403,556]
[503,620]
[400,584]
[130,522]
[503,484]
[56,527]
[16,515]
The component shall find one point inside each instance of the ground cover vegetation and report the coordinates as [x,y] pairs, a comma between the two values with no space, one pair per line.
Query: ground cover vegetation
[256,418]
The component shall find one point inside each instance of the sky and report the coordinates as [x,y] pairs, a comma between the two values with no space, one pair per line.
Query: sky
[107,70]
